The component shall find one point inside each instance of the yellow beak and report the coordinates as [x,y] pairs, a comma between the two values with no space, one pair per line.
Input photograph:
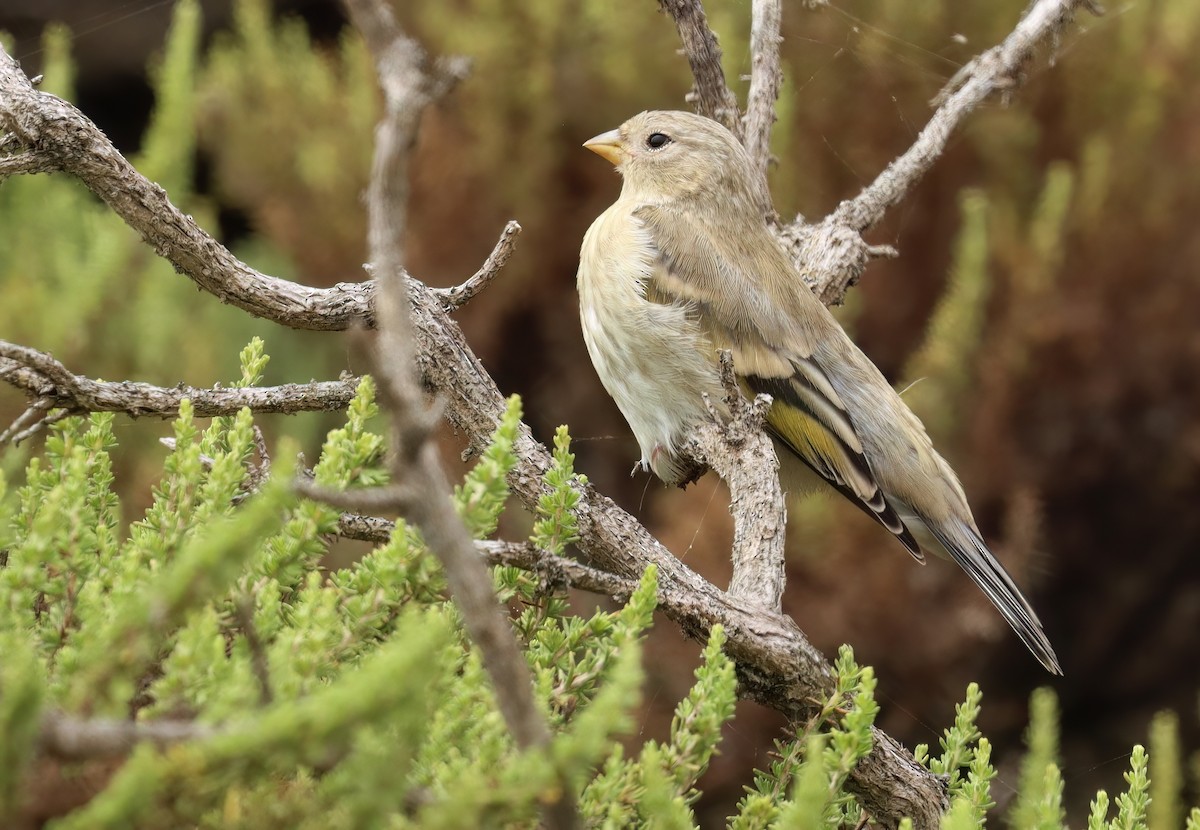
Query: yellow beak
[607,145]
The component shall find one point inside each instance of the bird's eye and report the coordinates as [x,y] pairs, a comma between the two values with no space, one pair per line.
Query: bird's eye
[657,140]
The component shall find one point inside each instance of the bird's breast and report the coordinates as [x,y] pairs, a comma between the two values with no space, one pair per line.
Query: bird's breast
[653,358]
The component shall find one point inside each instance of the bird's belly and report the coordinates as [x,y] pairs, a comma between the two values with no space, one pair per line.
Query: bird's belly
[656,364]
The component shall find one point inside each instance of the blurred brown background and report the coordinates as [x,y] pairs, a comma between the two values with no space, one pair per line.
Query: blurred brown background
[1064,384]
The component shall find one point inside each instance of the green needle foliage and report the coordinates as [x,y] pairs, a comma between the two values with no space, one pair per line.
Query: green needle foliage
[1166,804]
[351,695]
[1040,787]
[965,762]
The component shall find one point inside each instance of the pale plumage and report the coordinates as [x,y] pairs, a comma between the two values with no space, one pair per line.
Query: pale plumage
[683,265]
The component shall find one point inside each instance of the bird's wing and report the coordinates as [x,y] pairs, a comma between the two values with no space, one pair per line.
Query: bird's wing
[772,353]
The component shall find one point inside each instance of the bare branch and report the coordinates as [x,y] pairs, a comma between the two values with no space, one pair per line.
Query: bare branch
[529,557]
[523,555]
[33,415]
[711,95]
[999,68]
[53,386]
[70,738]
[392,498]
[832,255]
[766,77]
[742,455]
[49,420]
[458,296]
[401,66]
[27,162]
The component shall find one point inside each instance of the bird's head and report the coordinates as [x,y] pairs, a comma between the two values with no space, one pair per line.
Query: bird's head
[666,155]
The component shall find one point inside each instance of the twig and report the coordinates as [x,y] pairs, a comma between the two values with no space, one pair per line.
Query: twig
[70,738]
[53,386]
[529,557]
[766,77]
[401,66]
[37,426]
[832,255]
[243,607]
[711,95]
[392,498]
[35,412]
[999,68]
[458,296]
[523,555]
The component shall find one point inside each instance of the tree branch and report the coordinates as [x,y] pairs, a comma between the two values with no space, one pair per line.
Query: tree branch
[523,555]
[69,738]
[61,138]
[742,455]
[52,386]
[711,95]
[24,163]
[831,255]
[408,87]
[458,296]
[999,68]
[766,77]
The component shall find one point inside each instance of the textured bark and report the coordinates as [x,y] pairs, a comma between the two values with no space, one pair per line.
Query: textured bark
[743,456]
[53,386]
[410,83]
[766,77]
[711,95]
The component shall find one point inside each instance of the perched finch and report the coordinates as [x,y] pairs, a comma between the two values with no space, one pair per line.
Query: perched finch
[683,265]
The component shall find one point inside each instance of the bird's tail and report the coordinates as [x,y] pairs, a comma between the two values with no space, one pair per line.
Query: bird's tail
[967,548]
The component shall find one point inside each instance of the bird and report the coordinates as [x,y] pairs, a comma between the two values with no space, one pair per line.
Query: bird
[683,266]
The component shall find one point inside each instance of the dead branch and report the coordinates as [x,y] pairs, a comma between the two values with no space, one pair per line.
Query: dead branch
[458,296]
[54,387]
[55,136]
[711,96]
[766,77]
[743,456]
[1001,68]
[831,255]
[69,738]
[409,85]
[523,555]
